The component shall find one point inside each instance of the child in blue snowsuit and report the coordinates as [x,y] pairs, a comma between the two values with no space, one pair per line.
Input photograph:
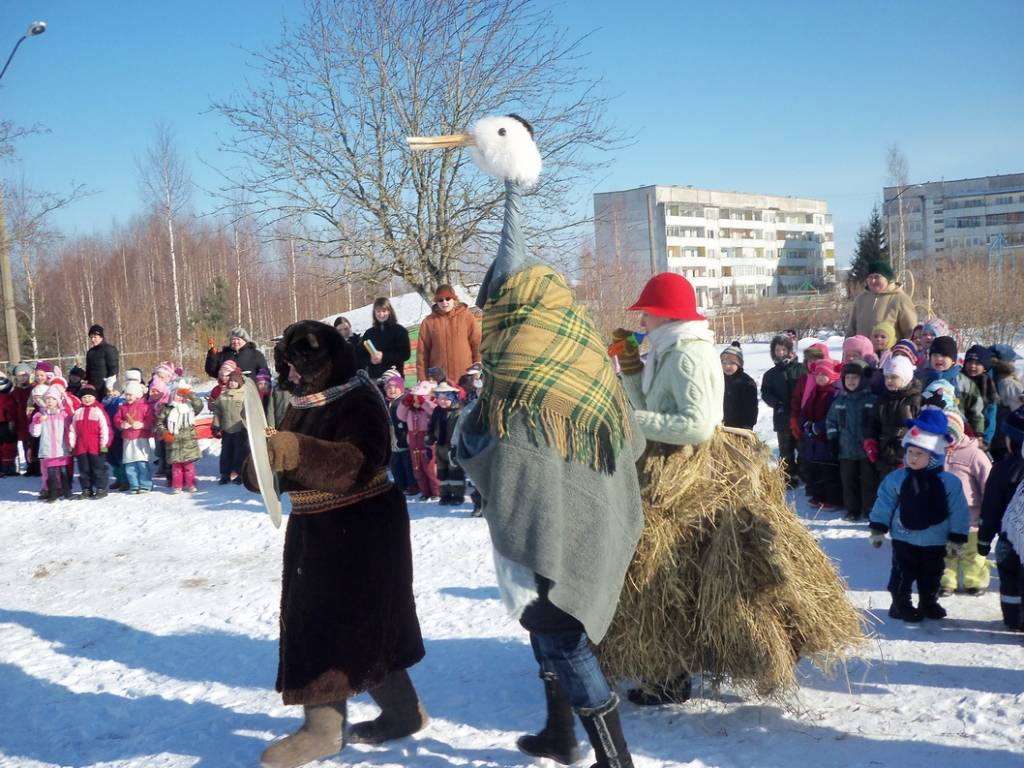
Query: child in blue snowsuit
[925,511]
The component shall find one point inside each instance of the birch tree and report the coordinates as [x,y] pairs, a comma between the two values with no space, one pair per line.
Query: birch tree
[167,186]
[320,137]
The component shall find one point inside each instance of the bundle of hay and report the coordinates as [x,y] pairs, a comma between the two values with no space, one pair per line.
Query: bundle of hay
[726,580]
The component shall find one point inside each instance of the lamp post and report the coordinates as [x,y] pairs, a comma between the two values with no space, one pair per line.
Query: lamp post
[6,274]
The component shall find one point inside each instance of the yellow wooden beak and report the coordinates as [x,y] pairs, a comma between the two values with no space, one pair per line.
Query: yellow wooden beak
[420,143]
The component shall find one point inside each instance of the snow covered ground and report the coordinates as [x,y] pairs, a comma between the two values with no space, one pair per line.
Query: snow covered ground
[141,631]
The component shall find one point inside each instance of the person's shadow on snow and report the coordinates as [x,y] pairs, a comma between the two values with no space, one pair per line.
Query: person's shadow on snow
[206,656]
[49,723]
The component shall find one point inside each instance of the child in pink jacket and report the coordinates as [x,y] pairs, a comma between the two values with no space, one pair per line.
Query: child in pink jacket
[415,410]
[966,461]
[50,425]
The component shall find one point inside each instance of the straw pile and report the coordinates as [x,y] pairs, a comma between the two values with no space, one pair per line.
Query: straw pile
[726,580]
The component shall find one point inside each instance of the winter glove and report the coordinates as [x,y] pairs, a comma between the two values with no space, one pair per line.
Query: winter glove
[877,537]
[168,437]
[215,431]
[955,548]
[984,547]
[135,425]
[211,343]
[794,428]
[103,450]
[629,356]
[808,428]
[109,382]
[870,446]
[408,400]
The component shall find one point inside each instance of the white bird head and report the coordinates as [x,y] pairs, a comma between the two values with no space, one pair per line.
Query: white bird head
[502,146]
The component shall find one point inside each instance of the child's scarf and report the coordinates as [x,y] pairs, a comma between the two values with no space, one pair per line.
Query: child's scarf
[922,500]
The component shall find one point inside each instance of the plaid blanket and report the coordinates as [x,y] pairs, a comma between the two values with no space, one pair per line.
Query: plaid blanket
[542,356]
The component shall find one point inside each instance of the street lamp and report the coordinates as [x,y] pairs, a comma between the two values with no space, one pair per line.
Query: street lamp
[6,274]
[35,28]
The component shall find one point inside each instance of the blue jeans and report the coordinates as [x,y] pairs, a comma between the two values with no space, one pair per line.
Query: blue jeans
[568,655]
[138,475]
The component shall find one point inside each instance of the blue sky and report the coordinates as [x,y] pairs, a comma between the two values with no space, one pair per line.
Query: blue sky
[798,98]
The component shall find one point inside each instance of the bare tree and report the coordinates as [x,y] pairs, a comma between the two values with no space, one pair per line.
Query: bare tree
[166,183]
[30,234]
[323,141]
[899,172]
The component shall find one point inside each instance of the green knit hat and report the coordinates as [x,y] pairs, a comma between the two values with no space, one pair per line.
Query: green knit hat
[881,268]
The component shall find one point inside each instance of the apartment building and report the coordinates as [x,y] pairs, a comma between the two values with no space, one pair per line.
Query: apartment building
[963,217]
[732,246]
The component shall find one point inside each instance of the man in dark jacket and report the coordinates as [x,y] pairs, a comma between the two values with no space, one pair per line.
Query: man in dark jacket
[241,350]
[777,387]
[100,362]
[1002,484]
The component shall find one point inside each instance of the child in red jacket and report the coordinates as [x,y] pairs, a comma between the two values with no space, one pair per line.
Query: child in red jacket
[8,428]
[90,437]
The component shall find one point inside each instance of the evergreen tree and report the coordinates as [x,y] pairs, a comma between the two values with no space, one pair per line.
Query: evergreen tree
[871,246]
[213,307]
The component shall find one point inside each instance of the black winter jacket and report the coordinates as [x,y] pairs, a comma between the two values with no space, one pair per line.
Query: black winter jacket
[442,426]
[249,360]
[777,387]
[885,422]
[100,362]
[392,341]
[740,403]
[1002,483]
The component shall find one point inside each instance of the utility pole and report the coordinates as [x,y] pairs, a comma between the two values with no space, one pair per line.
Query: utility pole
[7,278]
[6,274]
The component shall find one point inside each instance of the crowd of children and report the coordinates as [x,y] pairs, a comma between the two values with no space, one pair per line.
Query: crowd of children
[424,418]
[905,433]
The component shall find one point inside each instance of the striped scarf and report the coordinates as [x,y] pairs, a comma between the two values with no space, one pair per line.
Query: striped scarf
[542,356]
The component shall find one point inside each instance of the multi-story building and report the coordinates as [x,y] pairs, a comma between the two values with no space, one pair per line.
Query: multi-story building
[732,246]
[965,217]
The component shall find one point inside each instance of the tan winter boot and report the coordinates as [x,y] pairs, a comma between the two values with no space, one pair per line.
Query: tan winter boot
[401,713]
[321,735]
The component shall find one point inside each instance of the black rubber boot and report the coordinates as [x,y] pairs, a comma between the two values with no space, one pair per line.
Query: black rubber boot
[65,482]
[929,607]
[54,484]
[604,729]
[902,608]
[557,740]
[401,713]
[675,691]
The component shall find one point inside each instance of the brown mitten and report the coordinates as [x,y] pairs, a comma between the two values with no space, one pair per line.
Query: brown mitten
[629,356]
[283,451]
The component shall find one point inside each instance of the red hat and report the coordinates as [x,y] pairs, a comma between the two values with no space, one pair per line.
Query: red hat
[669,295]
[828,368]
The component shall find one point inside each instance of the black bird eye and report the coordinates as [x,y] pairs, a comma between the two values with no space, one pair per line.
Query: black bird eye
[501,131]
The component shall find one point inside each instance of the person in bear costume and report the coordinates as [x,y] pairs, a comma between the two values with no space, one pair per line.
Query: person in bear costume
[348,617]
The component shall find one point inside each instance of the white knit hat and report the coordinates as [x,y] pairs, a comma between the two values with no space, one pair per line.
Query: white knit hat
[899,366]
[135,388]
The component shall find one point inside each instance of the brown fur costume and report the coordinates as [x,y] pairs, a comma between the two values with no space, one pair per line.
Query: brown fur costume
[348,617]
